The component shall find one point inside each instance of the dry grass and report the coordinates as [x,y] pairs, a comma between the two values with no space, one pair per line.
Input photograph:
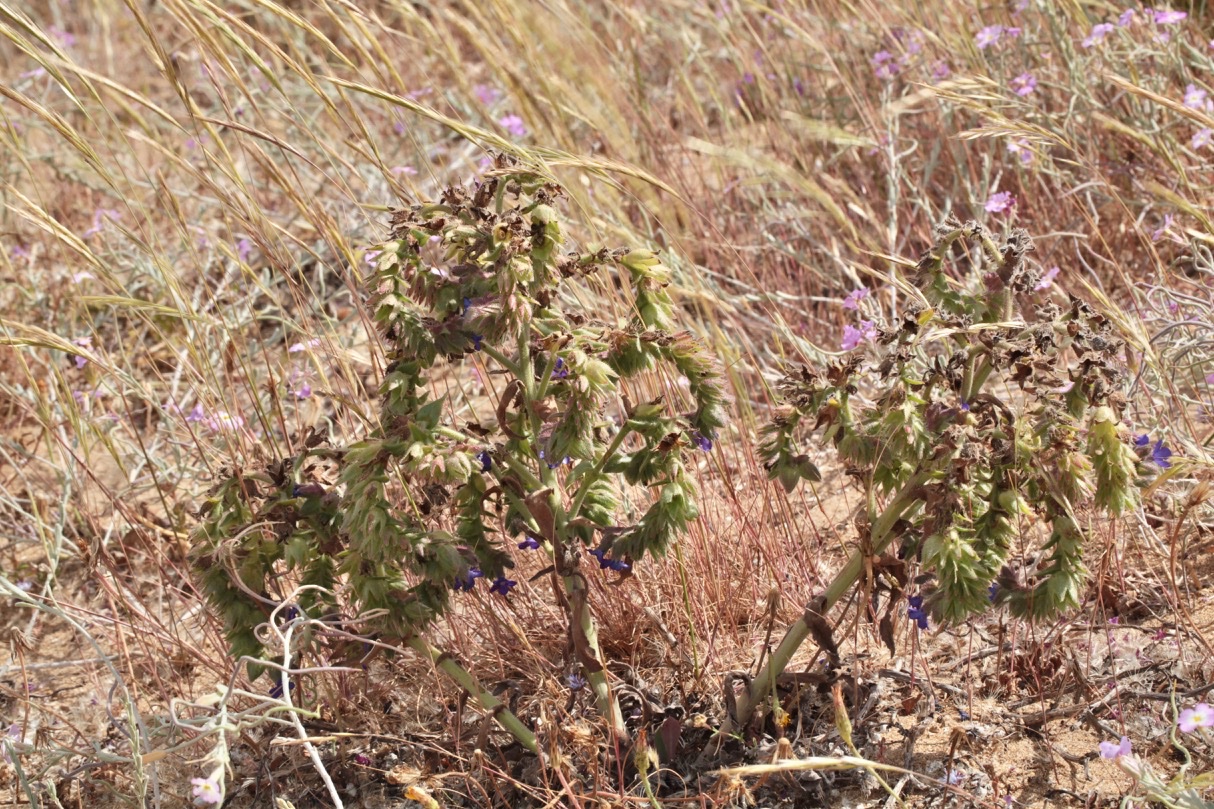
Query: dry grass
[189,190]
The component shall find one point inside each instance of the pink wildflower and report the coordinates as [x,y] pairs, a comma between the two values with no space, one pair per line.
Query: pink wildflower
[853,336]
[1047,280]
[1098,33]
[885,65]
[1168,17]
[83,342]
[1162,230]
[1199,716]
[988,36]
[208,790]
[1024,84]
[1020,148]
[1000,202]
[99,218]
[852,301]
[513,124]
[1195,98]
[1109,750]
[1202,138]
[487,94]
[244,249]
[297,347]
[1126,18]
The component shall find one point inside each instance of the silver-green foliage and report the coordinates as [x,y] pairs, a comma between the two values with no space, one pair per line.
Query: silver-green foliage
[987,410]
[425,501]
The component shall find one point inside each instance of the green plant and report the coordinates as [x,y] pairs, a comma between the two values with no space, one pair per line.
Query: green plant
[424,502]
[988,411]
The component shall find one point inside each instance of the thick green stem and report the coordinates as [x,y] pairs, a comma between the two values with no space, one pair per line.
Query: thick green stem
[608,706]
[488,703]
[761,686]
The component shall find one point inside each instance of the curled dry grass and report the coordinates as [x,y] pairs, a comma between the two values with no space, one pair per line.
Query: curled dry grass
[190,189]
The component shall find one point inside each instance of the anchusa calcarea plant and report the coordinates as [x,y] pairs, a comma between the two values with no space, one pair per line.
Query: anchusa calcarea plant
[984,416]
[428,503]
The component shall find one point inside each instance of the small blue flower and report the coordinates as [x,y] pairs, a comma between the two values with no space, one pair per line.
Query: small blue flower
[559,371]
[468,580]
[965,406]
[476,342]
[1160,455]
[915,611]
[702,441]
[609,564]
[486,460]
[992,592]
[576,682]
[467,305]
[529,543]
[276,691]
[502,585]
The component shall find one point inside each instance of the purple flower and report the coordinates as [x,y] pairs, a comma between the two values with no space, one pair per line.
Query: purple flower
[209,789]
[529,543]
[853,336]
[406,170]
[222,422]
[398,128]
[1047,280]
[852,301]
[467,581]
[915,611]
[304,391]
[576,682]
[992,592]
[702,441]
[941,71]
[885,65]
[1199,716]
[486,460]
[1024,84]
[295,348]
[502,585]
[1195,98]
[513,124]
[487,94]
[559,370]
[605,563]
[1202,137]
[100,216]
[244,249]
[65,39]
[1098,33]
[1000,202]
[1163,229]
[1168,17]
[1126,17]
[83,342]
[955,777]
[1112,750]
[988,36]
[1020,148]
[1160,455]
